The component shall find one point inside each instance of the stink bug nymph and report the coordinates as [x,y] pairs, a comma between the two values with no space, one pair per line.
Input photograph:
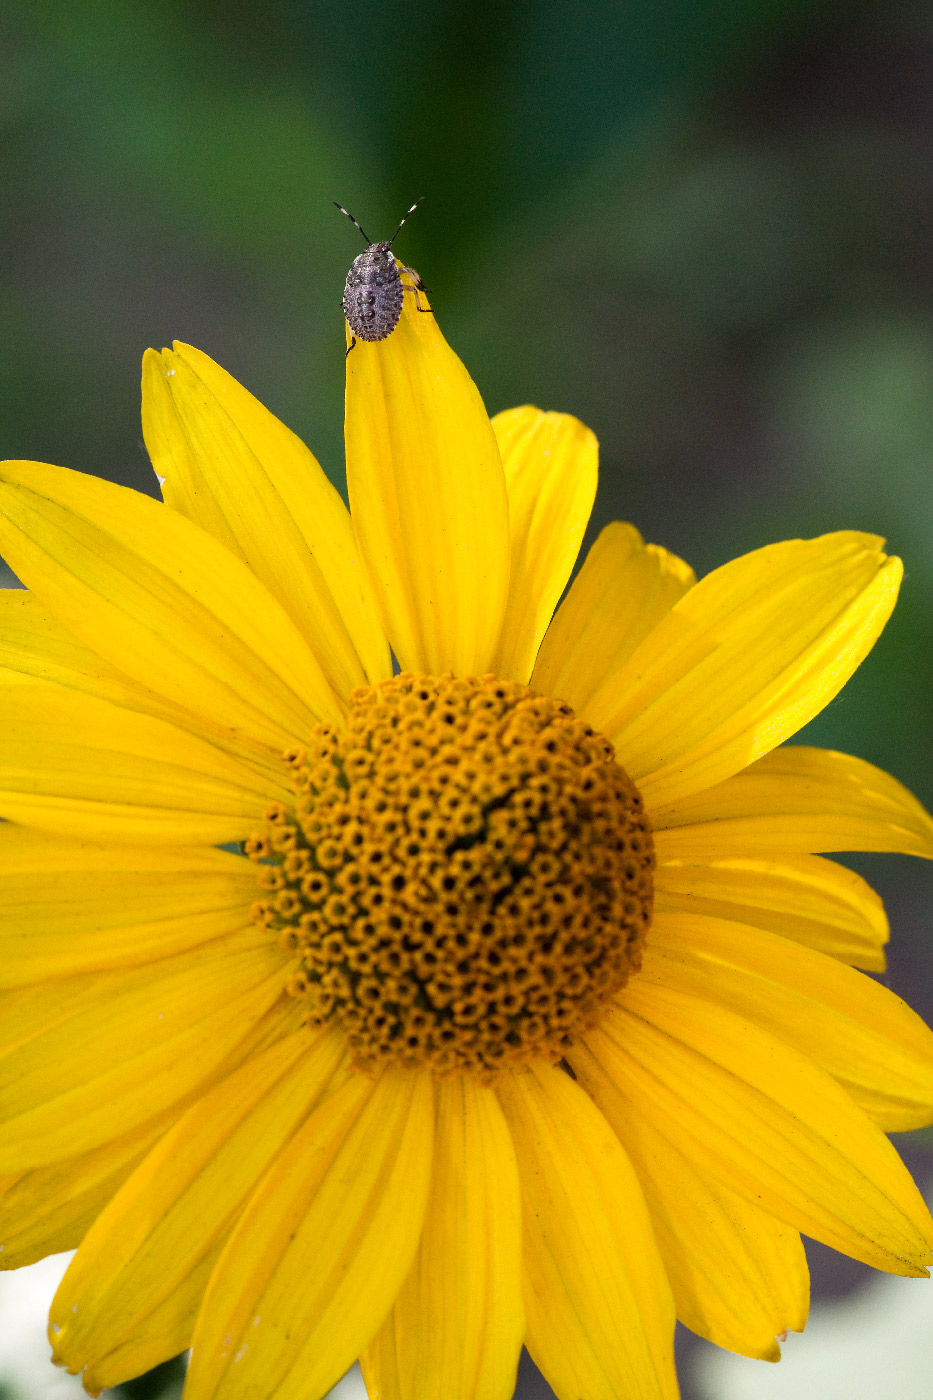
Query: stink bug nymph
[372,298]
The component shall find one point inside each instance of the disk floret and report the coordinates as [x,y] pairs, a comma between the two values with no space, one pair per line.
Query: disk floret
[465,876]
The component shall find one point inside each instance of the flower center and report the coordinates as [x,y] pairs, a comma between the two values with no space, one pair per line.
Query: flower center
[464,879]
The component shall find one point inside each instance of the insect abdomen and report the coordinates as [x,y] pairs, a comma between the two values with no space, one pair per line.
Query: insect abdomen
[372,299]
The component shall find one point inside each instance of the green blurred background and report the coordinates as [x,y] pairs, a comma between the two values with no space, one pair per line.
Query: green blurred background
[704,226]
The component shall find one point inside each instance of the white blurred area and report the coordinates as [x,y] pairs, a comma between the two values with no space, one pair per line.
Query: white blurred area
[26,1372]
[875,1343]
[350,1388]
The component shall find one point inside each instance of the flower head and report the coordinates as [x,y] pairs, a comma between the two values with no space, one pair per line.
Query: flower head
[534,1014]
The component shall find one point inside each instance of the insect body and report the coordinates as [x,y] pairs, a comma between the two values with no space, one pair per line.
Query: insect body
[372,298]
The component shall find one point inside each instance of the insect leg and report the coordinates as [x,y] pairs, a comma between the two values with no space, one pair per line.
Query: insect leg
[351,345]
[418,286]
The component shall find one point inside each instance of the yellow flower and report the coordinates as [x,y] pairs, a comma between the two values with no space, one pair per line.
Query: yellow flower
[535,1014]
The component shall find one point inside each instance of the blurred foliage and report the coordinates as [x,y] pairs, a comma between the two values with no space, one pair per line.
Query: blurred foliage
[703,227]
[163,1382]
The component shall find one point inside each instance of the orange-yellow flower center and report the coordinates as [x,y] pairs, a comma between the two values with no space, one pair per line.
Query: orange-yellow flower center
[465,876]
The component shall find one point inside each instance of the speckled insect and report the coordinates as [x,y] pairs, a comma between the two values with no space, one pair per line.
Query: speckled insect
[372,298]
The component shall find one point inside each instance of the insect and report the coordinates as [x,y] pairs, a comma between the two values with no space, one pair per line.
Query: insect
[372,298]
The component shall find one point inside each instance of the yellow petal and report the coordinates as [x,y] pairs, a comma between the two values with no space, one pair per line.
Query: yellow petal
[71,907]
[457,1325]
[148,1246]
[550,462]
[84,768]
[599,1307]
[33,643]
[161,600]
[83,1063]
[763,1119]
[739,1276]
[228,464]
[164,1333]
[866,1037]
[321,1250]
[796,800]
[49,1209]
[745,658]
[428,498]
[624,589]
[806,898]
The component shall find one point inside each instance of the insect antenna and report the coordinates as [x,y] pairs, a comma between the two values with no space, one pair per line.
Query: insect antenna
[399,229]
[359,226]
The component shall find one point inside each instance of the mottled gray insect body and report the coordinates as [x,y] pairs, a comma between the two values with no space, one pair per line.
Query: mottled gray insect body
[372,298]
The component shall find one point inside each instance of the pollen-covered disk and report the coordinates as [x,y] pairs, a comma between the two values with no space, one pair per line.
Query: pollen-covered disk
[465,877]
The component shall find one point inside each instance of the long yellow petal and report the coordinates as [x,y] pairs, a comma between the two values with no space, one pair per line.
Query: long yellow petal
[117,1048]
[319,1254]
[739,1276]
[163,601]
[764,1120]
[806,898]
[550,462]
[599,1306]
[84,768]
[428,498]
[796,800]
[49,1209]
[34,643]
[228,464]
[70,907]
[624,589]
[866,1037]
[180,1204]
[457,1325]
[745,658]
[162,1334]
